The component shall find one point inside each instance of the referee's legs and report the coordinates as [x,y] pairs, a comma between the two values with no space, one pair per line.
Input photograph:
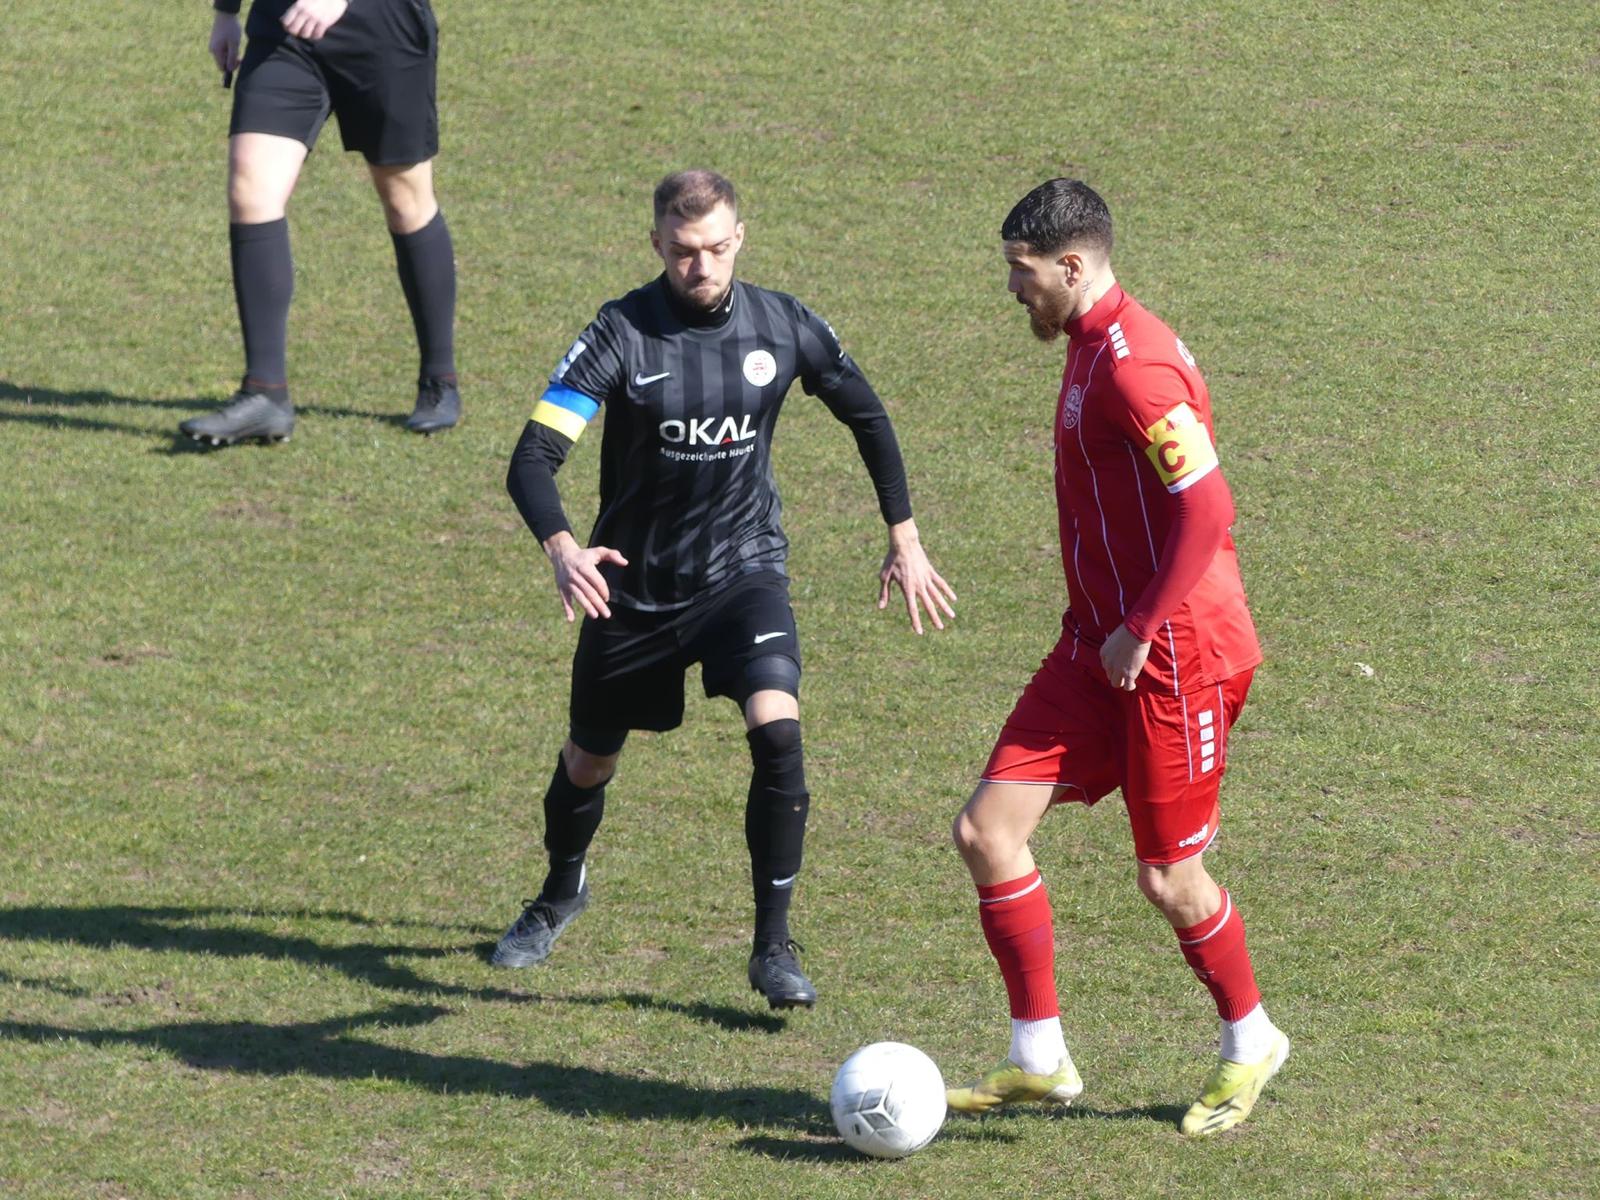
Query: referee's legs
[263,169]
[425,259]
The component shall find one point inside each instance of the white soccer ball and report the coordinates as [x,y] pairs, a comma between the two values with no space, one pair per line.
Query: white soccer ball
[888,1100]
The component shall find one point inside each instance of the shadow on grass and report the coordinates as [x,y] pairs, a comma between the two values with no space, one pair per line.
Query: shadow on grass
[39,406]
[45,985]
[198,931]
[233,933]
[1169,1115]
[831,1150]
[328,1050]
[799,1149]
[735,1020]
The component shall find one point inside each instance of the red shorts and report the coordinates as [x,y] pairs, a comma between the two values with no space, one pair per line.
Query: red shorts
[1167,753]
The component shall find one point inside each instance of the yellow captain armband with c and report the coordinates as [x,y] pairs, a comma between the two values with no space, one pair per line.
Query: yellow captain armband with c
[1180,449]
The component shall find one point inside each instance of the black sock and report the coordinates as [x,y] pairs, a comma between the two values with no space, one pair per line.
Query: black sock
[571,816]
[427,264]
[263,284]
[775,823]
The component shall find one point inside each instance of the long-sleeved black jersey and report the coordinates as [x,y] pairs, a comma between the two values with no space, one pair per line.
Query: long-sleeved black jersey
[690,402]
[265,22]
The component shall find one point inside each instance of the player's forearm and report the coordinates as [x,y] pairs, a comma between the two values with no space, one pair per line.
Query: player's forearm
[855,403]
[531,481]
[880,451]
[1201,516]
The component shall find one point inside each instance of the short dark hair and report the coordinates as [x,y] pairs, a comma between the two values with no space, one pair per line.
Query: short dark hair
[692,194]
[1057,214]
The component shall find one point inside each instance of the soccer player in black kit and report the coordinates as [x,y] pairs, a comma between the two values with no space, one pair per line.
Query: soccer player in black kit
[372,63]
[686,561]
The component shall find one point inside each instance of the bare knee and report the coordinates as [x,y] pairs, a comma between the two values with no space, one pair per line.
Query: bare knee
[982,842]
[262,172]
[1154,885]
[250,201]
[407,195]
[588,770]
[1183,891]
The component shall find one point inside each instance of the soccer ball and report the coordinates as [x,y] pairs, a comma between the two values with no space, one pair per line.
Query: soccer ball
[888,1100]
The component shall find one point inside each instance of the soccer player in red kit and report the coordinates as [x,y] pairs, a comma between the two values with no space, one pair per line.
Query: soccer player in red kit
[1156,654]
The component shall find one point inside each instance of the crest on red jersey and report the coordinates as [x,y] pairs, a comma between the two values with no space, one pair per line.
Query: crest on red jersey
[1071,406]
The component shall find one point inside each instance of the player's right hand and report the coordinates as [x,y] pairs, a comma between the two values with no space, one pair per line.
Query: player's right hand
[225,40]
[578,579]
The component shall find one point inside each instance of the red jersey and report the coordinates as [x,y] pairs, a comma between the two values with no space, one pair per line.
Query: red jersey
[1133,430]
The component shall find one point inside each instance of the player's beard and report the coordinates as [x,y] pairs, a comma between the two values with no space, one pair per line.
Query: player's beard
[1048,315]
[704,298]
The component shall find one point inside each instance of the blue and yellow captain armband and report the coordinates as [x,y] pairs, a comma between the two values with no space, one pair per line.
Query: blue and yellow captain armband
[565,410]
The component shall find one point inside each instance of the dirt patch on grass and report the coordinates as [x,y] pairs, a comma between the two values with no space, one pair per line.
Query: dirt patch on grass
[160,995]
[381,1161]
[124,656]
[254,512]
[58,1114]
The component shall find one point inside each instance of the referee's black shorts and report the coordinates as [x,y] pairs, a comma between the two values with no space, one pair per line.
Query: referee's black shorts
[376,70]
[628,671]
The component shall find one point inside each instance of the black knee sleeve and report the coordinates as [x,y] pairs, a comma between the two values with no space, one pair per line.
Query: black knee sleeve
[769,673]
[602,743]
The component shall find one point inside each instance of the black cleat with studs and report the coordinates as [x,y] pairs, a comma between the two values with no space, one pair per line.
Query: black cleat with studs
[527,943]
[775,973]
[438,407]
[248,417]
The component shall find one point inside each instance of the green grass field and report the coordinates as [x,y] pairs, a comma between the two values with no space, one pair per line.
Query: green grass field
[274,724]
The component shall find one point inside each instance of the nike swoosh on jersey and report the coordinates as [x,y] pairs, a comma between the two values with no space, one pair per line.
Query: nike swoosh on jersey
[767,637]
[642,380]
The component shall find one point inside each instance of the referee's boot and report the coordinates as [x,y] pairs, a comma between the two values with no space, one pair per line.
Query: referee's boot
[438,406]
[251,416]
[775,973]
[527,943]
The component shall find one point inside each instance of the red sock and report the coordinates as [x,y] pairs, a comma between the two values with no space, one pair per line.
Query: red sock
[1215,949]
[1016,924]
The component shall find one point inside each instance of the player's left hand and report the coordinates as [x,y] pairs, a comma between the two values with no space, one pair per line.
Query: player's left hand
[1123,657]
[310,19]
[907,565]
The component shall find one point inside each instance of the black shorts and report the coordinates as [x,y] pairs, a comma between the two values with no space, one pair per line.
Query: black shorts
[628,671]
[375,70]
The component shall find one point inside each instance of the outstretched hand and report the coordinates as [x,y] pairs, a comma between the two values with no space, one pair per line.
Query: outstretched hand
[907,565]
[310,19]
[578,580]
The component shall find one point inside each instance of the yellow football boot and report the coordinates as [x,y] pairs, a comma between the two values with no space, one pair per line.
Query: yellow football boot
[1230,1091]
[1010,1084]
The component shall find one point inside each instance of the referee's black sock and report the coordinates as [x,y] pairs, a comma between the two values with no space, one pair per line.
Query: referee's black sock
[571,816]
[427,264]
[775,823]
[263,285]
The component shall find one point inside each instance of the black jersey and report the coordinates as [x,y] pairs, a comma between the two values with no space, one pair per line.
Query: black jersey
[362,22]
[689,406]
